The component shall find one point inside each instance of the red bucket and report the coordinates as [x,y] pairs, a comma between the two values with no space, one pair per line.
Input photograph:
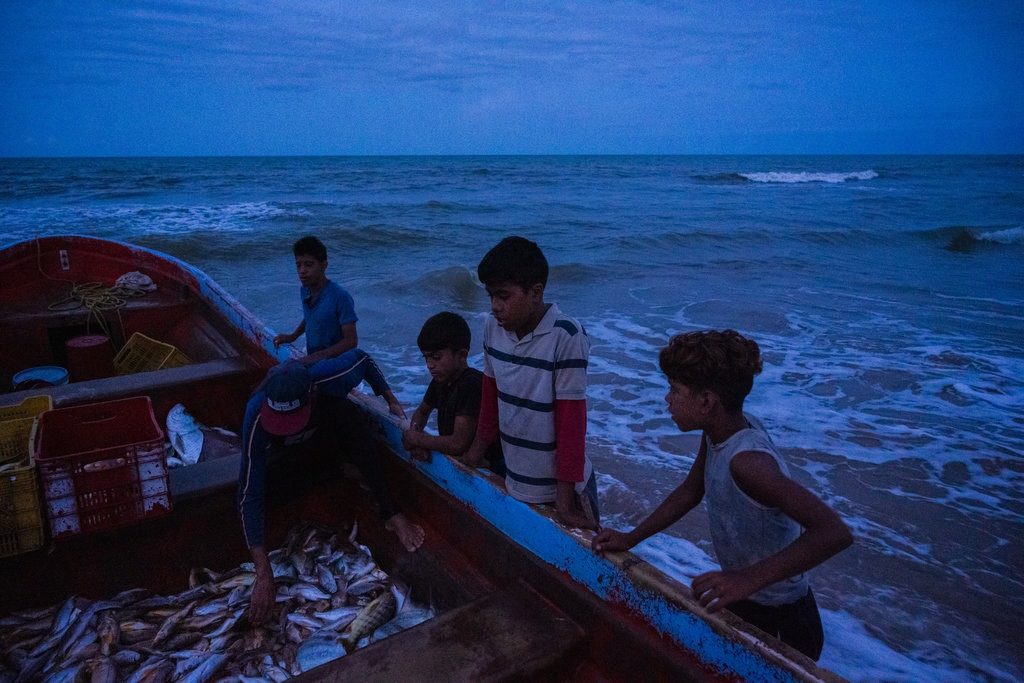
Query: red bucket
[90,356]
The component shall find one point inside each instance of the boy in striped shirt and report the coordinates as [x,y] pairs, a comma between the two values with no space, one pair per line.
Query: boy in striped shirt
[534,388]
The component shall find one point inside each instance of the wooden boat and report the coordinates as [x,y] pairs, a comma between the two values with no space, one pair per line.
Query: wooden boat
[518,595]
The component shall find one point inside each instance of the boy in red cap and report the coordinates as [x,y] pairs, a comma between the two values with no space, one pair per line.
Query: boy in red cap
[285,411]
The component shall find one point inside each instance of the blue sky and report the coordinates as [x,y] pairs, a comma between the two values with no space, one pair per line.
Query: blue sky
[195,77]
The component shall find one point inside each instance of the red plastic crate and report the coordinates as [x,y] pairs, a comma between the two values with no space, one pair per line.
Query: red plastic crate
[102,466]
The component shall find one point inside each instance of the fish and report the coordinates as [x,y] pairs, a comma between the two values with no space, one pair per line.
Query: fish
[108,630]
[127,657]
[365,585]
[317,650]
[326,579]
[402,621]
[182,641]
[156,670]
[374,615]
[206,669]
[134,631]
[68,674]
[103,670]
[229,623]
[306,591]
[172,622]
[340,617]
[200,575]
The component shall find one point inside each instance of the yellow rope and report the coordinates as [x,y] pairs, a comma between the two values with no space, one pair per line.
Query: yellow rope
[97,299]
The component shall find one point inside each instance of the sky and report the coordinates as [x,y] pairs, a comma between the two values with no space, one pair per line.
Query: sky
[296,77]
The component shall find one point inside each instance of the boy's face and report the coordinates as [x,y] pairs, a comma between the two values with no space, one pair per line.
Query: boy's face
[516,309]
[685,406]
[445,365]
[311,270]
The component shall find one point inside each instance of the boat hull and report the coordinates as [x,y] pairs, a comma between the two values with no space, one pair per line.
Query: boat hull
[485,553]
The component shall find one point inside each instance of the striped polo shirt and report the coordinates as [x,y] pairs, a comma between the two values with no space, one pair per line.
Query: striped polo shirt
[531,373]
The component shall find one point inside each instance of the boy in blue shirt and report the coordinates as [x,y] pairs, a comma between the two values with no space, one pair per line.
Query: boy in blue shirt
[454,392]
[767,530]
[328,312]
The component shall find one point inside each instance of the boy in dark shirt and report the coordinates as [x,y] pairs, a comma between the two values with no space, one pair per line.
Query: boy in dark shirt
[454,391]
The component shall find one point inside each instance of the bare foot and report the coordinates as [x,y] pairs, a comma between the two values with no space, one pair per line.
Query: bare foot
[411,535]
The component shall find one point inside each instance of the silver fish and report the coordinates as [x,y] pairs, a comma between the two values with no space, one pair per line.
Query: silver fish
[157,670]
[108,631]
[127,657]
[317,650]
[66,675]
[103,670]
[206,669]
[326,579]
[229,623]
[402,621]
[172,622]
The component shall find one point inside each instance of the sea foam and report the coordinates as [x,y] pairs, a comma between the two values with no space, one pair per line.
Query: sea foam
[805,177]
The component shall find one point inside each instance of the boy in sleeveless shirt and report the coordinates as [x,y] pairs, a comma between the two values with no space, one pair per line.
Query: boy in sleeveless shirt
[454,391]
[767,530]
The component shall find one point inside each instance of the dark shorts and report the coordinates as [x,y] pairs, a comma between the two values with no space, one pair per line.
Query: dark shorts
[797,624]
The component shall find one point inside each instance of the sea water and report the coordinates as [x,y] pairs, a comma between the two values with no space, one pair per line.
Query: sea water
[887,295]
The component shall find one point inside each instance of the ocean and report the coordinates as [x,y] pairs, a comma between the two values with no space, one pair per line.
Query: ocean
[887,295]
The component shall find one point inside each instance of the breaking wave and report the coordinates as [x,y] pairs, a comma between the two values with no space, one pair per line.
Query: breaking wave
[805,177]
[784,177]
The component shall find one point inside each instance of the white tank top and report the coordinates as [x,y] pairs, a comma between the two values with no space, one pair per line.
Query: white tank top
[744,531]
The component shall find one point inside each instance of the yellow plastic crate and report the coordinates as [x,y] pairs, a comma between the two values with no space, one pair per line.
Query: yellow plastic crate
[142,354]
[15,437]
[21,522]
[30,407]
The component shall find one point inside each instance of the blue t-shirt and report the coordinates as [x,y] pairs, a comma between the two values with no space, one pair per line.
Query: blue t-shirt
[324,316]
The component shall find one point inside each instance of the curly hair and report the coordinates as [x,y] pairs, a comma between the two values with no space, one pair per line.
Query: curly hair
[721,361]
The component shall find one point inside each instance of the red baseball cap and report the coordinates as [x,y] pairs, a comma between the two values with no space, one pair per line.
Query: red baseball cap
[287,407]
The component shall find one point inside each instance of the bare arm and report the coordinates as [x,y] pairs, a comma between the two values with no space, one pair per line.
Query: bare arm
[416,424]
[454,444]
[263,593]
[349,340]
[289,338]
[487,424]
[824,535]
[684,498]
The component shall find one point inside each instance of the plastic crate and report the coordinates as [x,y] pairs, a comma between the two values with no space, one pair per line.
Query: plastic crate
[102,466]
[142,354]
[16,423]
[14,439]
[30,407]
[21,521]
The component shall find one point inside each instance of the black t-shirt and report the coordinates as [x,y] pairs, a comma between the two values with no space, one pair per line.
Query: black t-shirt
[461,398]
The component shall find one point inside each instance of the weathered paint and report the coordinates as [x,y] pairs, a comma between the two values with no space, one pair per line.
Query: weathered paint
[572,555]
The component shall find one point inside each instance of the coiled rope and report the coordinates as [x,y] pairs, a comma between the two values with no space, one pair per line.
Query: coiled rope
[98,299]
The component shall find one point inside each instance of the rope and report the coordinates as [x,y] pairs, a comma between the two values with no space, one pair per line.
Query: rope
[92,295]
[97,299]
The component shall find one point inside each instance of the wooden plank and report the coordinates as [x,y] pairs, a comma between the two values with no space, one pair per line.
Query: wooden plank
[131,385]
[512,633]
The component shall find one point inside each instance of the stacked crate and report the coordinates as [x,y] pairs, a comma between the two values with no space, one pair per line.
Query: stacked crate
[21,523]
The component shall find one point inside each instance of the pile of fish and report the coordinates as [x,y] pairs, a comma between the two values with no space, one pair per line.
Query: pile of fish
[331,600]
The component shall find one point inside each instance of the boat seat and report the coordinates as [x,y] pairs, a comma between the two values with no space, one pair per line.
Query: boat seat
[511,633]
[109,388]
